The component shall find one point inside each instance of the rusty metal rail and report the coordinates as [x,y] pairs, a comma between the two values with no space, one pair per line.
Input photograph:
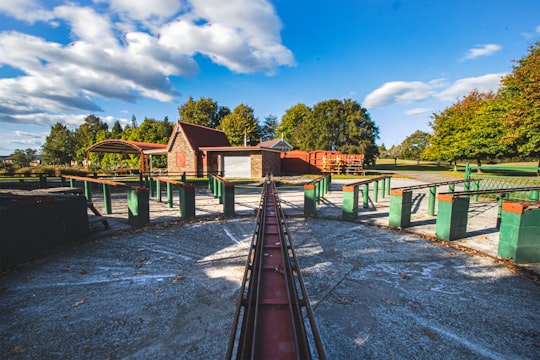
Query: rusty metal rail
[273,318]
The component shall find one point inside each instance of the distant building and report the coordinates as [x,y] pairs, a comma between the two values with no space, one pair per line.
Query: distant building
[278,144]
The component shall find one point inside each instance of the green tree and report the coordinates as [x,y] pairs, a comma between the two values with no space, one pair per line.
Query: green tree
[413,146]
[88,133]
[116,130]
[394,153]
[240,124]
[59,146]
[339,125]
[469,129]
[289,127]
[23,158]
[520,95]
[204,112]
[269,128]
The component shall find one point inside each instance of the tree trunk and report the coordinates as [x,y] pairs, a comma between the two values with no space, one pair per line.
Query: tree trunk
[455,165]
[479,163]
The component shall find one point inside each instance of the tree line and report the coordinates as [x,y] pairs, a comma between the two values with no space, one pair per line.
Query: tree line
[484,126]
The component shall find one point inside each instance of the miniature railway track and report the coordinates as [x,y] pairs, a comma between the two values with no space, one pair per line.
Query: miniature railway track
[273,317]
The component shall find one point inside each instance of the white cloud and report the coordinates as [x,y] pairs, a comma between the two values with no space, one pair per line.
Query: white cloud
[460,88]
[398,91]
[125,50]
[417,112]
[481,50]
[395,92]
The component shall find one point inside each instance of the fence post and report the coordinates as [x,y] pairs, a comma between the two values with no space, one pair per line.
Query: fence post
[452,217]
[432,197]
[318,192]
[534,195]
[467,186]
[72,182]
[467,171]
[400,208]
[228,200]
[350,202]
[188,205]
[518,237]
[138,206]
[388,185]
[310,205]
[476,187]
[365,196]
[42,181]
[88,190]
[158,190]
[151,186]
[383,188]
[220,191]
[169,195]
[499,209]
[376,191]
[107,198]
[451,188]
[210,183]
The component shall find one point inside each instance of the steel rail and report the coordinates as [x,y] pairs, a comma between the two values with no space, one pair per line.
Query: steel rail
[273,318]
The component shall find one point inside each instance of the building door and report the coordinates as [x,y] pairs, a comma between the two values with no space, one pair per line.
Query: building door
[236,166]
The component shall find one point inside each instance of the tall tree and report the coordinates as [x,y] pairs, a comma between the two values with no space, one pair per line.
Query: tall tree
[87,134]
[469,129]
[413,146]
[59,147]
[269,128]
[338,125]
[520,94]
[241,124]
[289,127]
[116,130]
[204,112]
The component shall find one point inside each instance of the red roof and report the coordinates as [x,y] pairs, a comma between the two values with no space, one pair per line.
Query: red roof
[123,146]
[199,136]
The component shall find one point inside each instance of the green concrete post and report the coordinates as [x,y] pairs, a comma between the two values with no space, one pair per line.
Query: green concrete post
[534,195]
[432,197]
[383,188]
[452,217]
[476,187]
[400,208]
[318,192]
[72,182]
[88,190]
[187,201]
[216,186]
[42,181]
[151,187]
[451,188]
[467,186]
[138,207]
[518,238]
[376,191]
[210,183]
[158,190]
[169,195]
[350,202]
[388,185]
[107,198]
[220,191]
[467,171]
[365,196]
[310,204]
[228,200]
[499,209]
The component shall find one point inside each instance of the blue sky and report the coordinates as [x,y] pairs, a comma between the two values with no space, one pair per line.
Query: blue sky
[402,60]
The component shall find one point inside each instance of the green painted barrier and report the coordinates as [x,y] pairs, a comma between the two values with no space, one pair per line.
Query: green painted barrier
[310,203]
[228,200]
[138,207]
[452,217]
[350,202]
[187,201]
[88,190]
[400,208]
[518,237]
[432,198]
[107,199]
[169,195]
[375,191]
[158,190]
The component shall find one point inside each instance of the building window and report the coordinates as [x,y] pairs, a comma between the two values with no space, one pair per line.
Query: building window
[181,159]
